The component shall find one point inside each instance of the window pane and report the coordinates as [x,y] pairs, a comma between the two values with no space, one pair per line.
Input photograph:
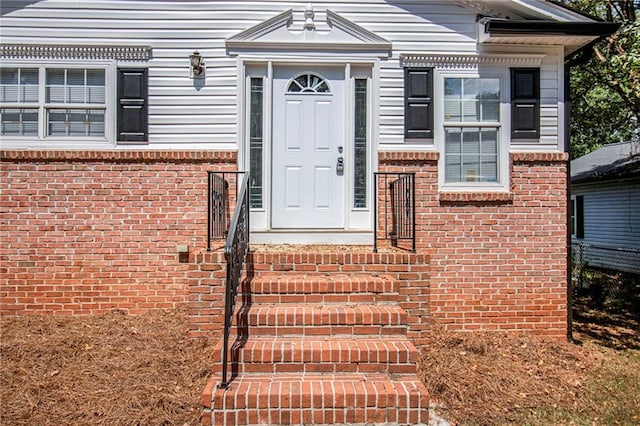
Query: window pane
[360,144]
[453,141]
[75,94]
[55,85]
[9,93]
[57,123]
[308,83]
[96,123]
[9,76]
[95,77]
[471,155]
[55,76]
[75,122]
[11,122]
[490,99]
[255,143]
[472,99]
[471,141]
[77,86]
[75,77]
[30,122]
[452,99]
[18,122]
[95,95]
[18,85]
[95,86]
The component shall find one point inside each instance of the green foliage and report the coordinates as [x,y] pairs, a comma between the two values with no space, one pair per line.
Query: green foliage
[605,91]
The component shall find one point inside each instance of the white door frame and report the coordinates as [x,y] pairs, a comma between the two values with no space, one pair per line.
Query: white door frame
[356,220]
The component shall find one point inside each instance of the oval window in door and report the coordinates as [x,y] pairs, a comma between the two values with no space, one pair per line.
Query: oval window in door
[308,83]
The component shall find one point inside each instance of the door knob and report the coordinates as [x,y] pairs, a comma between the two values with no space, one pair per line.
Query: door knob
[340,166]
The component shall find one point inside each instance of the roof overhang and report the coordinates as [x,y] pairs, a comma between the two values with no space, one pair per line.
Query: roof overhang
[571,35]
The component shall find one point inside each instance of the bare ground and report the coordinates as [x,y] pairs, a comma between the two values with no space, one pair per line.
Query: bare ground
[117,369]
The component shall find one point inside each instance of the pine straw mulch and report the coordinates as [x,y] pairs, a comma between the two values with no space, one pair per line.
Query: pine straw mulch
[119,369]
[498,378]
[108,369]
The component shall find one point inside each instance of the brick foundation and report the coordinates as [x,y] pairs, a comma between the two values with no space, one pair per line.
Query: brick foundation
[208,275]
[84,232]
[498,261]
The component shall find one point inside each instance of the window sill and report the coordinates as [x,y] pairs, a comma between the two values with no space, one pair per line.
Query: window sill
[475,197]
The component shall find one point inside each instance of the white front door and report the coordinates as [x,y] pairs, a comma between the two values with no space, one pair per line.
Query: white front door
[308,156]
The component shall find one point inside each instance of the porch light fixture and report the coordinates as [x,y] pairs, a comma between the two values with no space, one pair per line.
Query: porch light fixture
[198,67]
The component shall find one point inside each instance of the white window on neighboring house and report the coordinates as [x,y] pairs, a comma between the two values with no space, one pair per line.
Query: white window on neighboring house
[577,216]
[472,130]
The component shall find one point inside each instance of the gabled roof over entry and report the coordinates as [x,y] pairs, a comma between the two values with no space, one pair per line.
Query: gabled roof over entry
[333,33]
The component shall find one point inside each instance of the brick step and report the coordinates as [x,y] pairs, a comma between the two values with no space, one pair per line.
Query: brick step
[319,399]
[309,320]
[325,355]
[321,288]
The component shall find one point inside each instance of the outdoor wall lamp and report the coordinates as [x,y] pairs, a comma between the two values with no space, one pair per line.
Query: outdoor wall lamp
[198,67]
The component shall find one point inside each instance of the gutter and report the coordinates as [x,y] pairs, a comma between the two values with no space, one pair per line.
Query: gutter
[578,57]
[493,26]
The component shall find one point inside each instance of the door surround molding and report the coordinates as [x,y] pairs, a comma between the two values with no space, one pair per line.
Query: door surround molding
[263,66]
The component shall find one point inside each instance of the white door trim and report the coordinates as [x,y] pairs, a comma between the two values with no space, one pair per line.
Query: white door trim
[259,66]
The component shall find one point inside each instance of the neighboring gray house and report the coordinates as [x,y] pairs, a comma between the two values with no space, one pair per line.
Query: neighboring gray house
[605,202]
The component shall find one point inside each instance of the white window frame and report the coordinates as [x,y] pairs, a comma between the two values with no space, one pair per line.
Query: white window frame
[42,140]
[503,126]
[573,216]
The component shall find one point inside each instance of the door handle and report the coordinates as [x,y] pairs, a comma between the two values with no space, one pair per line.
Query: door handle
[340,166]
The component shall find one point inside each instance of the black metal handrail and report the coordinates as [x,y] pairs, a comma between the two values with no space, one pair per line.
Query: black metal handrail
[235,253]
[218,205]
[398,198]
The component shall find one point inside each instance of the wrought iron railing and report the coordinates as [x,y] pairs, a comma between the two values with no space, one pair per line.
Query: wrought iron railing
[394,208]
[235,253]
[219,205]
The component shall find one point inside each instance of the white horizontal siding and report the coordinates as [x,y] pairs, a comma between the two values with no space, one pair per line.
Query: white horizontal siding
[611,214]
[611,226]
[208,114]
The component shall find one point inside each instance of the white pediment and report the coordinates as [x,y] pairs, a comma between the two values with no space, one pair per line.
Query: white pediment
[308,31]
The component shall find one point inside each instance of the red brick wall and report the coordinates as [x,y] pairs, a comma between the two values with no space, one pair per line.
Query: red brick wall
[498,261]
[86,232]
[208,274]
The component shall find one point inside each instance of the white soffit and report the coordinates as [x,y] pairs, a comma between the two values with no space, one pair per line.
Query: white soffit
[523,9]
[284,33]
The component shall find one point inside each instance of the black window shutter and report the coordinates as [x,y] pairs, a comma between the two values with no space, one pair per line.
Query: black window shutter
[579,216]
[525,103]
[418,103]
[132,105]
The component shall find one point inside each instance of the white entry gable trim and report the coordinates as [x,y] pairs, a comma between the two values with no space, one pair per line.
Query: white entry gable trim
[281,33]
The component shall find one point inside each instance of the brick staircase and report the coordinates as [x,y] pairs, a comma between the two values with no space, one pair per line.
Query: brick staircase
[321,338]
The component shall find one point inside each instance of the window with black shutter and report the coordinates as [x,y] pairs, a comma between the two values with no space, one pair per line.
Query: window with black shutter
[132,106]
[418,103]
[580,216]
[525,103]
